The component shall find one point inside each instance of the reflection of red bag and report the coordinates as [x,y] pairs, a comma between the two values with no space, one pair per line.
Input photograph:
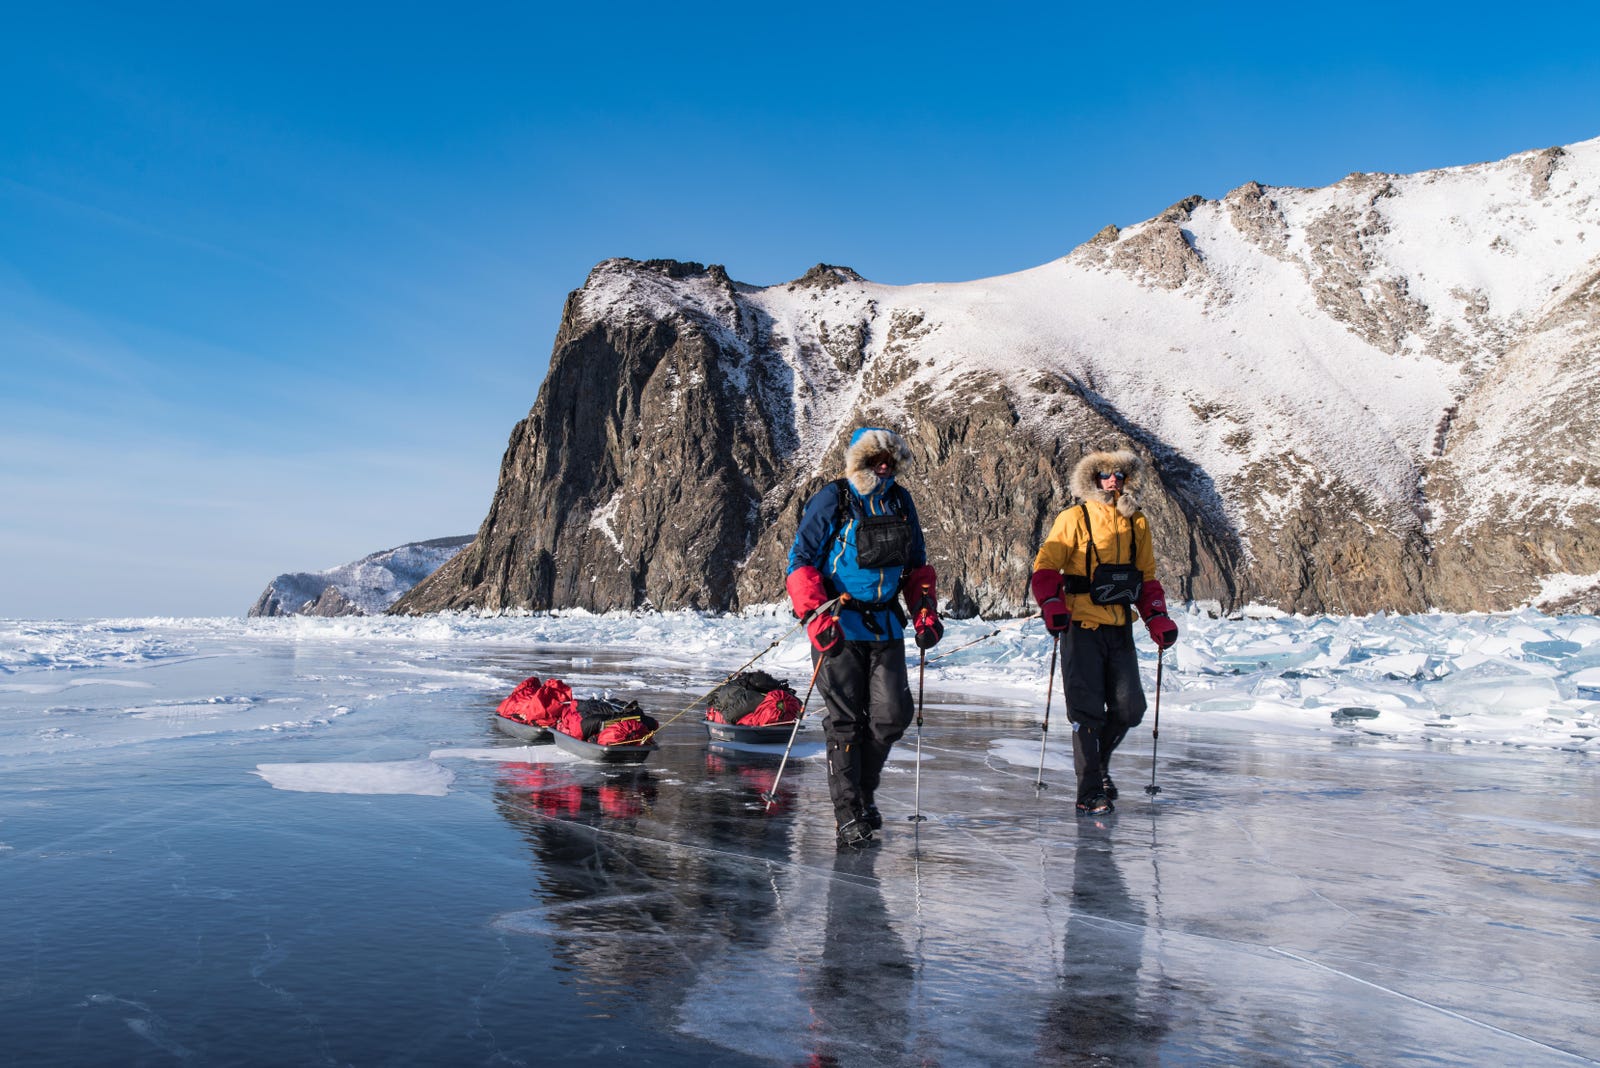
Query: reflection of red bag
[619,802]
[540,705]
[779,706]
[554,793]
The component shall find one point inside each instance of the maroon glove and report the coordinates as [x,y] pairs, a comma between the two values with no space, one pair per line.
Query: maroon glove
[929,628]
[920,589]
[1153,609]
[1047,591]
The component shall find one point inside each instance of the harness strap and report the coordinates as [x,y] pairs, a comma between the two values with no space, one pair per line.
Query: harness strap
[870,609]
[1091,556]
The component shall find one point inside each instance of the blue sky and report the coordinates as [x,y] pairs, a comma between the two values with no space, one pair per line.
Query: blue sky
[276,281]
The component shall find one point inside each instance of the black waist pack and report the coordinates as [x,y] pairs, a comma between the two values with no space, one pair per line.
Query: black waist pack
[1116,584]
[882,541]
[1110,583]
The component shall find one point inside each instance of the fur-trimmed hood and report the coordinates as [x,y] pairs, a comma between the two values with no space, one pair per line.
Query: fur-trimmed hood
[1084,486]
[869,441]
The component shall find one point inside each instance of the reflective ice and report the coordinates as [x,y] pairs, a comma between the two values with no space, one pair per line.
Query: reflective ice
[306,843]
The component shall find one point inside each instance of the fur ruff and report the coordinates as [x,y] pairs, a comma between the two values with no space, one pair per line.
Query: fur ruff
[870,443]
[1084,486]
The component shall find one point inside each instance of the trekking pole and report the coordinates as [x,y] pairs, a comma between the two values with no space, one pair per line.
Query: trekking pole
[771,796]
[1049,692]
[984,638]
[1155,733]
[916,793]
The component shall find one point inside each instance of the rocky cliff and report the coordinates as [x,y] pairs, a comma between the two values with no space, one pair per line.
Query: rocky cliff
[1377,395]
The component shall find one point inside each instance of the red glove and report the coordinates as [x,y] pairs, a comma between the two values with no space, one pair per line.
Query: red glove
[806,595]
[823,630]
[806,591]
[1153,609]
[1047,591]
[929,628]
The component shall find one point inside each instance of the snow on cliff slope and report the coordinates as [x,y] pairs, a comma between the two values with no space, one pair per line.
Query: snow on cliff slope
[1333,327]
[365,587]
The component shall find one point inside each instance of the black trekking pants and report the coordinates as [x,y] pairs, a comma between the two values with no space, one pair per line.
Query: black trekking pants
[868,695]
[1100,678]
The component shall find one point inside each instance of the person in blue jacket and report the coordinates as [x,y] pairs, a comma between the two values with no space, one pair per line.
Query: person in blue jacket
[858,548]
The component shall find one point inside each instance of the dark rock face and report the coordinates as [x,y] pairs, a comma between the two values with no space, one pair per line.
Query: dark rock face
[686,418]
[640,476]
[624,489]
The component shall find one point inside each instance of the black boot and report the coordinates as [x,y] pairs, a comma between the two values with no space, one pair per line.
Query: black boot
[854,833]
[1095,805]
[1107,787]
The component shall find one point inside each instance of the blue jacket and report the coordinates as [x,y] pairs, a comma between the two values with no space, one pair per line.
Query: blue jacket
[818,544]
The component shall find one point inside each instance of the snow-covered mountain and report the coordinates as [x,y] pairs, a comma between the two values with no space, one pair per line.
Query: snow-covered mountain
[366,587]
[1377,395]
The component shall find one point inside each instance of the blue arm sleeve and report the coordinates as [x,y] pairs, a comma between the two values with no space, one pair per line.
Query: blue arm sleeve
[811,538]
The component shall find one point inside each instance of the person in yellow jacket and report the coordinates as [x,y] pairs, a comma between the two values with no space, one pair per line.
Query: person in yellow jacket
[1094,574]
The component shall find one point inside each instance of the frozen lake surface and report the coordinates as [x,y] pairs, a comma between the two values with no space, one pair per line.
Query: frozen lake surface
[304,842]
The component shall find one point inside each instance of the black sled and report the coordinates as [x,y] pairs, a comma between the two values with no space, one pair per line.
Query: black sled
[766,734]
[531,733]
[622,753]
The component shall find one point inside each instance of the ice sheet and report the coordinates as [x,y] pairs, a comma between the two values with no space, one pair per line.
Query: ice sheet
[320,849]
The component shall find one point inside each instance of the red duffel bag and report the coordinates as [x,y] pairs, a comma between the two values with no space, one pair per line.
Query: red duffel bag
[540,704]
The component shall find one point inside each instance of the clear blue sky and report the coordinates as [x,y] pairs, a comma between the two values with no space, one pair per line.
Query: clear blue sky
[276,280]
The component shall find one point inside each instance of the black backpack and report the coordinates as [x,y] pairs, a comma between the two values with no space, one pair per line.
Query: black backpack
[881,540]
[739,696]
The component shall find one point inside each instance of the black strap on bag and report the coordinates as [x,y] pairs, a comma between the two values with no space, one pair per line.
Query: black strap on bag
[1110,583]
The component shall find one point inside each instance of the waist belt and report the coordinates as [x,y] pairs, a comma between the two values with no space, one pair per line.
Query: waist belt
[870,609]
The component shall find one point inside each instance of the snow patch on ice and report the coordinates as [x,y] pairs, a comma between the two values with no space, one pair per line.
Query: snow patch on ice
[395,777]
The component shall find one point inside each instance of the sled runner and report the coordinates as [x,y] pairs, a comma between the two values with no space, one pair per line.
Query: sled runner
[761,734]
[618,753]
[531,733]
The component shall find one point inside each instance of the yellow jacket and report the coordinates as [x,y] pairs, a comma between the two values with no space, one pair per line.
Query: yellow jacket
[1118,539]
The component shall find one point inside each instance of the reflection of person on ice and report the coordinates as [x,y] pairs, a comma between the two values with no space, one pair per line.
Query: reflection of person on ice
[1095,567]
[858,546]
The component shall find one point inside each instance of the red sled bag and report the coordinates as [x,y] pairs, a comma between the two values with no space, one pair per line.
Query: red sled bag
[626,730]
[748,700]
[779,706]
[603,723]
[539,704]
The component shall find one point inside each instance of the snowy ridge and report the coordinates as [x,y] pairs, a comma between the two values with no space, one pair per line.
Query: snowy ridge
[1334,328]
[366,587]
